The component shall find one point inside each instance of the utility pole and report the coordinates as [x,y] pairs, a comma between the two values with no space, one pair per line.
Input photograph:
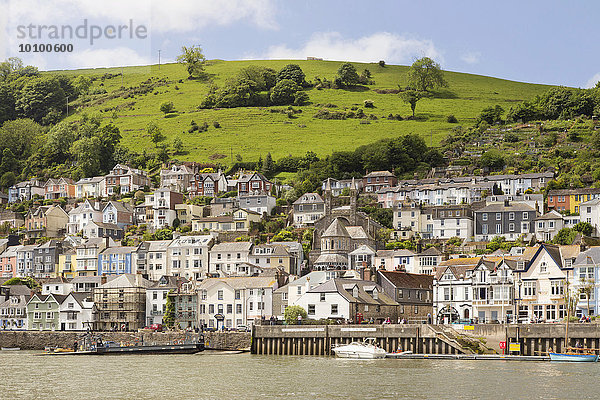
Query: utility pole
[159,60]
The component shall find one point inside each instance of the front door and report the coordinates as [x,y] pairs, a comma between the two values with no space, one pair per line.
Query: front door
[62,326]
[494,316]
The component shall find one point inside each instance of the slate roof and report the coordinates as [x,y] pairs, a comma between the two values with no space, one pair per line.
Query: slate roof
[405,280]
[309,198]
[589,257]
[336,229]
[344,287]
[232,246]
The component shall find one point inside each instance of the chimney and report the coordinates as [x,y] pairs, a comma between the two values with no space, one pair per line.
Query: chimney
[103,279]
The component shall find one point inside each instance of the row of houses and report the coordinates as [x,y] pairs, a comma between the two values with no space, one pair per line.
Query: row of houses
[193,257]
[130,302]
[528,284]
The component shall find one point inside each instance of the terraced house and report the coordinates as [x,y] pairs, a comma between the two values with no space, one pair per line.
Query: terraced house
[124,179]
[43,311]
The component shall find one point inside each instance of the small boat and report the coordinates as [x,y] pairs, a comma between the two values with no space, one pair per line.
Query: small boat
[10,348]
[573,357]
[360,350]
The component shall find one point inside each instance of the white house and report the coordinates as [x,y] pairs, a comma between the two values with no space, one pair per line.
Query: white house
[235,302]
[156,298]
[188,256]
[76,312]
[226,257]
[589,212]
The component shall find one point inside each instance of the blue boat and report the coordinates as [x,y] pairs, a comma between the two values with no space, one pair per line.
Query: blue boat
[566,357]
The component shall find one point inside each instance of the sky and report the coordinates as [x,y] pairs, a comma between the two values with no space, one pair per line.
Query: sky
[552,42]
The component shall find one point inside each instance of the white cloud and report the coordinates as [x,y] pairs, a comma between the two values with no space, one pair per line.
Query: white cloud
[592,81]
[165,16]
[386,46]
[471,57]
[98,58]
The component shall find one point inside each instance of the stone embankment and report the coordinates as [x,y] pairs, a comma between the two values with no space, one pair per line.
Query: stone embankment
[33,340]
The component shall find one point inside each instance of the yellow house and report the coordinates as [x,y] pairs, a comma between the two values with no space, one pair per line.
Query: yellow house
[187,212]
[66,264]
[238,221]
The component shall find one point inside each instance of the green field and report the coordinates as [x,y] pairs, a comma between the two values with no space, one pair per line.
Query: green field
[254,131]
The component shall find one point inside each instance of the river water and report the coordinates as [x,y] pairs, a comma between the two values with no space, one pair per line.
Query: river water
[243,376]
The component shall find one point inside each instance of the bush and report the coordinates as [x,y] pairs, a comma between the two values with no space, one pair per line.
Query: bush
[284,92]
[300,98]
[167,107]
[291,314]
[451,119]
[216,124]
[369,104]
[381,63]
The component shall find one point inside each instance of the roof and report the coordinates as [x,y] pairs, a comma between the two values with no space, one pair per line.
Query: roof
[566,192]
[331,259]
[167,282]
[432,251]
[309,198]
[119,206]
[18,290]
[378,173]
[119,250]
[127,281]
[466,261]
[500,207]
[459,271]
[232,246]
[551,215]
[357,232]
[158,245]
[363,249]
[336,229]
[405,280]
[344,287]
[241,282]
[589,257]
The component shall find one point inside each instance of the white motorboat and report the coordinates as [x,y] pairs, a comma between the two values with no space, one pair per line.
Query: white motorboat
[362,350]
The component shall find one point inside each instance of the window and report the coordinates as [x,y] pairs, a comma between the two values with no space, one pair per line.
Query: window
[511,216]
[416,309]
[299,289]
[543,267]
[484,217]
[220,295]
[322,296]
[529,288]
[498,216]
[211,308]
[525,215]
[334,309]
[400,293]
[586,273]
[238,295]
[238,308]
[311,309]
[556,288]
[229,308]
[511,227]
[498,228]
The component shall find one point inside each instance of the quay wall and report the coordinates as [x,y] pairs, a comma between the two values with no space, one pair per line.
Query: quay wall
[420,338]
[35,340]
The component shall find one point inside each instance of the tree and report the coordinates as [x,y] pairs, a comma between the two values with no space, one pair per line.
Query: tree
[156,135]
[7,180]
[42,99]
[284,92]
[263,78]
[87,153]
[167,107]
[177,145]
[193,59]
[292,72]
[585,228]
[169,317]
[291,314]
[347,74]
[268,165]
[492,159]
[82,84]
[425,74]
[411,97]
[565,236]
[491,115]
[587,288]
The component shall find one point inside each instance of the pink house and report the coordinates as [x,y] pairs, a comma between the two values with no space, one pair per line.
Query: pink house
[8,262]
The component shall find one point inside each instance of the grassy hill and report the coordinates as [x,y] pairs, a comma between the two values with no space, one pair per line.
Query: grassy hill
[254,131]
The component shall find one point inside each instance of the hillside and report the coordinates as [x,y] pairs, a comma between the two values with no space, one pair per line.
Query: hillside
[254,131]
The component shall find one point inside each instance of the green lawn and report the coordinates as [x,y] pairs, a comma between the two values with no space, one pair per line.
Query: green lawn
[254,131]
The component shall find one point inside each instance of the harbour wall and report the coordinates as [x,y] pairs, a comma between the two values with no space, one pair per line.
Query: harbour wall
[422,338]
[35,340]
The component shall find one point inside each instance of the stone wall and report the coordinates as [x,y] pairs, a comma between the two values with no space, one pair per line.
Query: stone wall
[33,340]
[228,340]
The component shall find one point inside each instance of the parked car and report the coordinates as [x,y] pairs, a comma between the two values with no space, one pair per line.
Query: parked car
[243,328]
[156,327]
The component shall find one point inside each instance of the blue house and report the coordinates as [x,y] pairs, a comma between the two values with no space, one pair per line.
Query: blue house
[117,261]
[586,274]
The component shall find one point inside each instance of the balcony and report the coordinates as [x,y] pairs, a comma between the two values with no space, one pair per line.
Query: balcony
[492,302]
